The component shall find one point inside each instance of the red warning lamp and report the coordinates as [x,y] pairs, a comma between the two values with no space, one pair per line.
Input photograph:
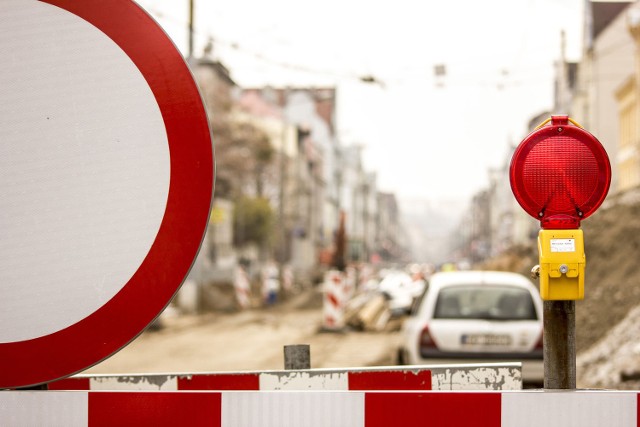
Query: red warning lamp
[560,174]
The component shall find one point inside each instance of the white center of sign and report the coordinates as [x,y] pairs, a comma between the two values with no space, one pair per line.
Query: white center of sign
[83,184]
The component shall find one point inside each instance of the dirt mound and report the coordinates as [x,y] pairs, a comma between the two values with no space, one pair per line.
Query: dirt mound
[519,259]
[614,361]
[612,284]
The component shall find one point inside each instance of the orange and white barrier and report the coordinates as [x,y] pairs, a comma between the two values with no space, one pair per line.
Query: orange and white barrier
[335,294]
[321,408]
[242,287]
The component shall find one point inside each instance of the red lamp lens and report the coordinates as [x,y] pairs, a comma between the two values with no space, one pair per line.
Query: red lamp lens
[560,174]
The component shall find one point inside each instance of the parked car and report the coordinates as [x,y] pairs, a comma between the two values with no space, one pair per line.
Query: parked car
[476,317]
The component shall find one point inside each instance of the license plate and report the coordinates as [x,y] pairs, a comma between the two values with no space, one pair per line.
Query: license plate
[485,339]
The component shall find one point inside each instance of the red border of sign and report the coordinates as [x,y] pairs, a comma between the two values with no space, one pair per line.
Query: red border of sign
[171,255]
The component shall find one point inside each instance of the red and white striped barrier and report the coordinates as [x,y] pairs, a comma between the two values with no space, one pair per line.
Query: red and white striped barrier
[335,299]
[242,287]
[505,376]
[321,408]
[264,381]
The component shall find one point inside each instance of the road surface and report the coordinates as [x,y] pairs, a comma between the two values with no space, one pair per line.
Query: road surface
[249,340]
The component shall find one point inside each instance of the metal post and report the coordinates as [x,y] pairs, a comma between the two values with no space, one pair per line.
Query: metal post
[282,225]
[191,9]
[297,357]
[559,344]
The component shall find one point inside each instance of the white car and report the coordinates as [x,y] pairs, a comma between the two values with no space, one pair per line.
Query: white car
[476,317]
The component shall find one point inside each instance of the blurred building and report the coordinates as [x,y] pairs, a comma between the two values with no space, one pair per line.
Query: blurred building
[358,200]
[601,93]
[589,87]
[216,258]
[217,90]
[495,222]
[319,179]
[280,187]
[312,180]
[390,239]
[628,102]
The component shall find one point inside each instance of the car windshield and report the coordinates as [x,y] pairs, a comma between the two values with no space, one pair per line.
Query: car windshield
[493,302]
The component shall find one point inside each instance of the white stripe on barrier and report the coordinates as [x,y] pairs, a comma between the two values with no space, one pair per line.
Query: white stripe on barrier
[292,409]
[304,380]
[492,376]
[477,377]
[38,408]
[569,409]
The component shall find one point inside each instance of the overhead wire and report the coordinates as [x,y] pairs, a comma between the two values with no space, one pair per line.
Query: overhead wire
[363,77]
[422,73]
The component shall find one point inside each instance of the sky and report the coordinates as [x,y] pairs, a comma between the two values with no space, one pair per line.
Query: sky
[427,136]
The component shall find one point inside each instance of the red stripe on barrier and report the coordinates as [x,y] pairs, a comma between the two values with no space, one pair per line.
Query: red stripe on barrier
[432,409]
[333,299]
[329,320]
[70,384]
[219,382]
[154,409]
[394,380]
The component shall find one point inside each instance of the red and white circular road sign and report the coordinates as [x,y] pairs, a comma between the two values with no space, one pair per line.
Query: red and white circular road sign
[106,180]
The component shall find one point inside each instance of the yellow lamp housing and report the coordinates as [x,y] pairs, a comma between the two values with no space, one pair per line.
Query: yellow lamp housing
[562,263]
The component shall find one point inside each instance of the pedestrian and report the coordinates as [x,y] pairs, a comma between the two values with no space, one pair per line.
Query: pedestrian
[270,283]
